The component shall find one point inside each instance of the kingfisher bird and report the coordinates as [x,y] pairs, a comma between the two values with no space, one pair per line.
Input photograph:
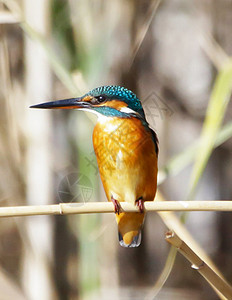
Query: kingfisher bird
[126,149]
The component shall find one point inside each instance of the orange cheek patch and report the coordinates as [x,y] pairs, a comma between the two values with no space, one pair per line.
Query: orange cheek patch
[115,104]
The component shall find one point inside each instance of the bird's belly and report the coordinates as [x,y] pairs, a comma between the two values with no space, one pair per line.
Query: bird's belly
[126,159]
[130,183]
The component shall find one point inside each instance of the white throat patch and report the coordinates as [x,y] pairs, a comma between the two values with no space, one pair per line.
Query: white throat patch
[128,110]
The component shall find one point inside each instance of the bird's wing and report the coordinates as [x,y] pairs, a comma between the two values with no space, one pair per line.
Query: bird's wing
[155,140]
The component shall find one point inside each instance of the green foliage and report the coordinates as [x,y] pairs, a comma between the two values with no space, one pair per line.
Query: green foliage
[216,110]
[180,161]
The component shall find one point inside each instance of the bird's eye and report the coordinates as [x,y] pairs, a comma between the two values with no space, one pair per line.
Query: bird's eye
[100,98]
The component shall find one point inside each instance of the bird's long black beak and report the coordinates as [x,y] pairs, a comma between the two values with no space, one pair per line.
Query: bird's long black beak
[63,104]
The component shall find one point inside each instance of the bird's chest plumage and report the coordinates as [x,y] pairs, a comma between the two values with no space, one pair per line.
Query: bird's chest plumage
[126,158]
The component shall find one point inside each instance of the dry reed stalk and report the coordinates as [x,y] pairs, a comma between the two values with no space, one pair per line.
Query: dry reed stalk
[173,223]
[217,282]
[107,207]
[38,85]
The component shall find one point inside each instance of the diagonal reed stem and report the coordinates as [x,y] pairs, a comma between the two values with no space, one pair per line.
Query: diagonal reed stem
[217,282]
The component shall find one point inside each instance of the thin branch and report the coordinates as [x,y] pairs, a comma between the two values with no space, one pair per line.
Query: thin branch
[107,207]
[143,29]
[198,264]
[164,275]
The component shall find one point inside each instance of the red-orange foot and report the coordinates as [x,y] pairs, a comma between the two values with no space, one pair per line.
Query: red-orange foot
[117,206]
[140,203]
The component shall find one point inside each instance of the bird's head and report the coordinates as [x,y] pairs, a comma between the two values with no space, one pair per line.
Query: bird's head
[112,100]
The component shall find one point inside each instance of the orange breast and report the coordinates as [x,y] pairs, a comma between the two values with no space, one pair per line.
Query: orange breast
[126,158]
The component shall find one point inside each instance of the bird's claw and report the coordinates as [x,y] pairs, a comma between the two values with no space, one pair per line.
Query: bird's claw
[117,206]
[140,203]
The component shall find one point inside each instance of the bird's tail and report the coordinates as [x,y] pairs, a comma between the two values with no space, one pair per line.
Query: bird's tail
[129,228]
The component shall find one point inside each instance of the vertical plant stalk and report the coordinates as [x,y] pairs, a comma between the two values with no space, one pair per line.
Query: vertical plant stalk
[36,274]
[7,91]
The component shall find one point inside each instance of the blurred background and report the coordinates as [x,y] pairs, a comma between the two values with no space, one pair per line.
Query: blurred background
[175,55]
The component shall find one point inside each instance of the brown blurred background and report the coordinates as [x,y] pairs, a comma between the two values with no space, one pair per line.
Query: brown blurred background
[168,53]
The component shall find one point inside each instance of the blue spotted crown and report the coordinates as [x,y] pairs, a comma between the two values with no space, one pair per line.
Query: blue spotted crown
[121,93]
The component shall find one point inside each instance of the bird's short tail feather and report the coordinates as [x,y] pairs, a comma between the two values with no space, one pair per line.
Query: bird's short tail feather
[135,242]
[129,229]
